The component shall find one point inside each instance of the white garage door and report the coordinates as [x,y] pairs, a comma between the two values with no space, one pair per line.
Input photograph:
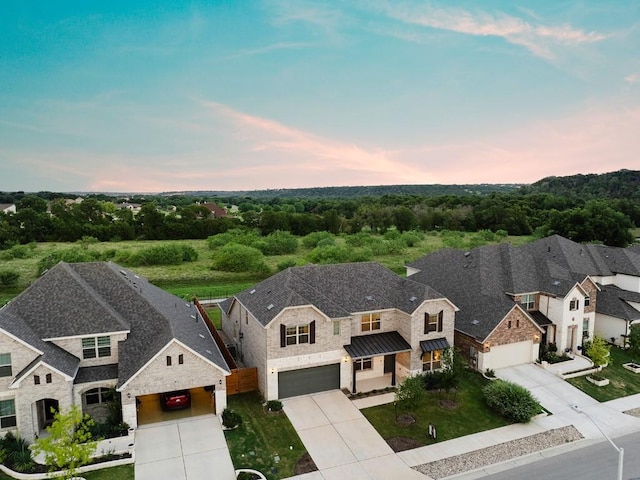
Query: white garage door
[511,354]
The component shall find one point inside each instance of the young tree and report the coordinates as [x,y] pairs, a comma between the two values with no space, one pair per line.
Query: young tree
[598,351]
[634,340]
[69,445]
[410,392]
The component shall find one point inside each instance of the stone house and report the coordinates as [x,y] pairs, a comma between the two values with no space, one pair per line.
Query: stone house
[82,330]
[354,326]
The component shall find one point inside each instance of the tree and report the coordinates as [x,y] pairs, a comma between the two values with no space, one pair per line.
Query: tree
[634,340]
[69,445]
[598,351]
[410,392]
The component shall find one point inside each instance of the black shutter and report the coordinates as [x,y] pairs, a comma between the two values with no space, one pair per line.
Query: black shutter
[283,336]
[440,316]
[312,332]
[426,323]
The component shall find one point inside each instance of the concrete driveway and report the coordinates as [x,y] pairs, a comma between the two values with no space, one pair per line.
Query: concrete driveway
[556,395]
[187,449]
[341,441]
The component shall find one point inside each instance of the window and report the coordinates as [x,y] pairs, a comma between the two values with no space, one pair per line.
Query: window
[363,364]
[48,378]
[574,304]
[509,324]
[587,301]
[298,334]
[336,327]
[180,359]
[7,413]
[433,322]
[585,327]
[36,379]
[517,323]
[370,322]
[168,360]
[5,364]
[96,347]
[96,396]
[431,360]
[528,301]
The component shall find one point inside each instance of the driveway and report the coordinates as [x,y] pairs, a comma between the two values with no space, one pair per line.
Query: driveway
[341,441]
[556,395]
[187,449]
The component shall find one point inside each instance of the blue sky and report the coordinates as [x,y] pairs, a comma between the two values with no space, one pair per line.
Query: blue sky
[141,96]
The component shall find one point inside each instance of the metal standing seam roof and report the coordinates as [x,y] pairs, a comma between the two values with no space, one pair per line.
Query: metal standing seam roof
[376,344]
[540,318]
[433,345]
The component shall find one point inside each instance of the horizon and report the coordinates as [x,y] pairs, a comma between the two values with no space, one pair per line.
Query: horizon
[275,94]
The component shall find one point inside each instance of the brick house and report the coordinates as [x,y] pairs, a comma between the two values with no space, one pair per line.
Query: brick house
[84,329]
[353,326]
[510,302]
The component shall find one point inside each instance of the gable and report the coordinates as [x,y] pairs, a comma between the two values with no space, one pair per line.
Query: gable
[516,326]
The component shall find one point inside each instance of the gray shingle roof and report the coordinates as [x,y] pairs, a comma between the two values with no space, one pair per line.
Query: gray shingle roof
[614,301]
[337,290]
[97,298]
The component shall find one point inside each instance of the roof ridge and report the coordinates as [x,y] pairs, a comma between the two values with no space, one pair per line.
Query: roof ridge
[89,289]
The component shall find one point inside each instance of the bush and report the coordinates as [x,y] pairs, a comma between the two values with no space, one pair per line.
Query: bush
[512,401]
[70,255]
[410,392]
[411,238]
[313,239]
[433,380]
[16,452]
[330,254]
[359,239]
[274,405]
[286,264]
[235,235]
[239,258]
[9,277]
[231,419]
[278,243]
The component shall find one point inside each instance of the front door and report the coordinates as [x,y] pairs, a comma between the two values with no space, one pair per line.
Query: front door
[389,363]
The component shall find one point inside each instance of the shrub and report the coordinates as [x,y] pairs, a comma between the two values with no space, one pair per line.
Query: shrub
[9,277]
[412,238]
[359,239]
[170,254]
[490,372]
[278,243]
[313,239]
[286,264]
[410,392]
[69,255]
[239,258]
[235,235]
[231,419]
[512,401]
[433,380]
[274,405]
[330,254]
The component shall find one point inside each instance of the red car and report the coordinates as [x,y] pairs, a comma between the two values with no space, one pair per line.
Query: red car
[175,400]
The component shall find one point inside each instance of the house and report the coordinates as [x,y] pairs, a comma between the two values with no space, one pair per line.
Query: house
[511,301]
[216,211]
[84,329]
[354,326]
[616,271]
[7,208]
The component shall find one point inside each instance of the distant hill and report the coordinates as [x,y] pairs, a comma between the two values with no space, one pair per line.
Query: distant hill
[360,191]
[620,184]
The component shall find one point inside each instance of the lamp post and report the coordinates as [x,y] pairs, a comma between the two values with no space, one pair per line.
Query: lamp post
[620,450]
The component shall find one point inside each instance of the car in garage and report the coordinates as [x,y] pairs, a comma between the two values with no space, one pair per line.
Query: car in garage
[175,400]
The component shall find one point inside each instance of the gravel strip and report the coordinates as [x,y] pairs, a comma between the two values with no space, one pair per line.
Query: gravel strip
[499,453]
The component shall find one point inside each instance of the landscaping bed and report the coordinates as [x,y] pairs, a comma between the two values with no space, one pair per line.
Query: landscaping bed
[622,382]
[265,441]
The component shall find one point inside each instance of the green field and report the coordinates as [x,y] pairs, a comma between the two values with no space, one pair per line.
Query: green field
[199,278]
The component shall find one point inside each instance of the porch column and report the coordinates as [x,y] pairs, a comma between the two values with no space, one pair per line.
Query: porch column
[353,369]
[393,372]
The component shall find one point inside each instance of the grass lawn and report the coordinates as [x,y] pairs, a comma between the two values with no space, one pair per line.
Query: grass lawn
[471,415]
[622,382]
[261,437]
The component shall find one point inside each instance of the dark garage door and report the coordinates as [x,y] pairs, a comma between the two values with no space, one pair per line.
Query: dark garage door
[308,380]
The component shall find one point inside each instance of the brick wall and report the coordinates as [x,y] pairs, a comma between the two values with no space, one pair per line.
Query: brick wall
[515,327]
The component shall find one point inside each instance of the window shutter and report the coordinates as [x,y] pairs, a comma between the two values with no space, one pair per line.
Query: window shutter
[283,336]
[426,323]
[312,332]
[440,316]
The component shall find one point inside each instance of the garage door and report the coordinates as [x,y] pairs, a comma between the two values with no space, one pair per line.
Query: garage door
[512,354]
[308,380]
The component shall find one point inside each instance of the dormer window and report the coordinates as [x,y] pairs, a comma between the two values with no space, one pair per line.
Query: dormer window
[528,301]
[574,304]
[96,347]
[587,300]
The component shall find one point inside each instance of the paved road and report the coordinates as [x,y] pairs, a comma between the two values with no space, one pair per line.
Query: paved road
[596,462]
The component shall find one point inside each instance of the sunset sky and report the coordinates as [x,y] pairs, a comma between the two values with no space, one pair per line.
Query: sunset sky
[140,96]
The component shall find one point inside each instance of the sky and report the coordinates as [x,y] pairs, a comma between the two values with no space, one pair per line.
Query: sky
[142,96]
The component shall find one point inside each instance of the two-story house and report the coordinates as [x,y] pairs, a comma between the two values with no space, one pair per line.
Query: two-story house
[510,302]
[321,327]
[83,329]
